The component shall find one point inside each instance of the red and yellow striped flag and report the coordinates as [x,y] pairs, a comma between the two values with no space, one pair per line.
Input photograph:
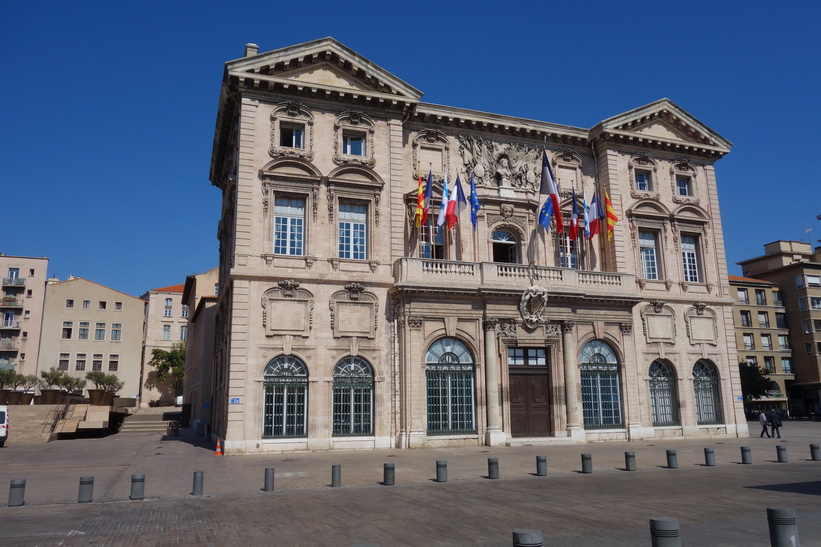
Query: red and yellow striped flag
[612,219]
[420,203]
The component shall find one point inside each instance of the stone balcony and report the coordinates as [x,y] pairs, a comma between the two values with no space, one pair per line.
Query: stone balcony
[426,275]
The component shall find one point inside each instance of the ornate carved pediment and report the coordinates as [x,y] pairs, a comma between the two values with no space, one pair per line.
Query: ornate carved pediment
[532,304]
[287,309]
[354,312]
[501,164]
[300,118]
[359,122]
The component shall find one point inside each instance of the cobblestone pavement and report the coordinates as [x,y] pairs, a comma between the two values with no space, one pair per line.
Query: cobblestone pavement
[721,505]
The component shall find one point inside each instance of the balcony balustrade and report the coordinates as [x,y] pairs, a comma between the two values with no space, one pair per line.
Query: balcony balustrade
[494,277]
[11,303]
[14,282]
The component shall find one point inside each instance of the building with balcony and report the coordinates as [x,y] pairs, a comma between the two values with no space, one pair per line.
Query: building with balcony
[763,337]
[21,310]
[165,324]
[795,268]
[341,322]
[90,327]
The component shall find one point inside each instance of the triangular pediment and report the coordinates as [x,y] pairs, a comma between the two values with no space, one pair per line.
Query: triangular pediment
[323,64]
[665,121]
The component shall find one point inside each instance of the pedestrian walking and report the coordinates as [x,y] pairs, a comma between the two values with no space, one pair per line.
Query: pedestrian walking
[762,418]
[775,422]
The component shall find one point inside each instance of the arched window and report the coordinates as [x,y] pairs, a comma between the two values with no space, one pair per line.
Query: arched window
[285,397]
[450,375]
[601,390]
[353,397]
[505,247]
[707,394]
[663,400]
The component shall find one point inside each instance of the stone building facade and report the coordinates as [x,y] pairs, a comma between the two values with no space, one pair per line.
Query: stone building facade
[340,324]
[24,292]
[166,324]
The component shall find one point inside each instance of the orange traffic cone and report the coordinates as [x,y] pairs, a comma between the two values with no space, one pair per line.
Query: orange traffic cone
[218,451]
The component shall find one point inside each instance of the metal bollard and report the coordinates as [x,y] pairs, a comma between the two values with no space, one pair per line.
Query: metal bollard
[630,461]
[198,478]
[441,471]
[269,480]
[783,527]
[86,489]
[672,459]
[709,457]
[541,466]
[746,455]
[665,532]
[587,463]
[528,537]
[336,476]
[815,453]
[781,452]
[137,487]
[389,474]
[493,468]
[17,492]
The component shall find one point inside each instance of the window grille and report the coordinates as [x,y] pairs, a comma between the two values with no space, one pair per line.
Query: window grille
[353,397]
[663,401]
[449,373]
[285,398]
[707,396]
[601,389]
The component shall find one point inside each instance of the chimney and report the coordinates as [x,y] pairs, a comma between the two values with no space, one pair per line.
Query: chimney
[251,50]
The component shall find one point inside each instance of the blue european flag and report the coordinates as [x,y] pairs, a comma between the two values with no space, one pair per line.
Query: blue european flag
[546,214]
[474,202]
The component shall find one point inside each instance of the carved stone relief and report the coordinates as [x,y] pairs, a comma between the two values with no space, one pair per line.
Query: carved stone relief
[501,164]
[301,116]
[532,305]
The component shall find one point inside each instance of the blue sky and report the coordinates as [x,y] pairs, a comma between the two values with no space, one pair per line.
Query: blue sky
[108,108]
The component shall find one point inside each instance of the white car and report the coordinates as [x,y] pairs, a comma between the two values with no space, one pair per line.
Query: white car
[4,425]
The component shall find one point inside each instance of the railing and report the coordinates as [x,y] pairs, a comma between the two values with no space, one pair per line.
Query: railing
[14,282]
[6,364]
[10,325]
[6,345]
[10,303]
[443,267]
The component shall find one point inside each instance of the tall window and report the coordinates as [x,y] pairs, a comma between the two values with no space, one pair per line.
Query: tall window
[749,342]
[746,318]
[784,342]
[62,364]
[353,143]
[166,332]
[289,226]
[707,393]
[433,241]
[184,313]
[760,297]
[684,186]
[168,311]
[67,329]
[86,304]
[113,362]
[689,257]
[99,331]
[116,331]
[353,397]
[183,333]
[80,362]
[643,183]
[97,361]
[649,255]
[769,364]
[353,240]
[781,320]
[743,297]
[786,365]
[449,372]
[505,247]
[568,251]
[601,390]
[766,342]
[82,334]
[763,320]
[285,397]
[663,403]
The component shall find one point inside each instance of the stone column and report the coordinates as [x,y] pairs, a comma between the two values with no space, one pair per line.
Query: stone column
[493,434]
[571,383]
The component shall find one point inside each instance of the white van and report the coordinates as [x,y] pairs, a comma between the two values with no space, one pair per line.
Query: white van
[4,425]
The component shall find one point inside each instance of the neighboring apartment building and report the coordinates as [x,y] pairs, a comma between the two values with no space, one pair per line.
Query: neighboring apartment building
[166,324]
[89,327]
[763,337]
[796,269]
[341,324]
[24,292]
[200,296]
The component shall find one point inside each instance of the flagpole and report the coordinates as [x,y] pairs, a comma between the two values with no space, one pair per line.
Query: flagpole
[421,228]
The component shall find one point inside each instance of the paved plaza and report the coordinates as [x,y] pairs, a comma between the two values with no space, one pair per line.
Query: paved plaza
[721,505]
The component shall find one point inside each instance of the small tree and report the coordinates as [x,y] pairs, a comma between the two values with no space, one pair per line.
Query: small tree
[51,378]
[72,384]
[29,381]
[96,377]
[170,365]
[755,383]
[17,381]
[112,383]
[7,377]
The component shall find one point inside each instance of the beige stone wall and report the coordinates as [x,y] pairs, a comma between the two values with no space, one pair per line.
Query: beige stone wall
[156,321]
[86,306]
[23,297]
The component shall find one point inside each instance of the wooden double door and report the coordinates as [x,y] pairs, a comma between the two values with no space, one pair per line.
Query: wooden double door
[529,402]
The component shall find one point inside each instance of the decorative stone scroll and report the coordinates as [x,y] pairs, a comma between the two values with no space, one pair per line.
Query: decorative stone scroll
[532,305]
[287,309]
[296,113]
[501,164]
[354,312]
[702,327]
[360,122]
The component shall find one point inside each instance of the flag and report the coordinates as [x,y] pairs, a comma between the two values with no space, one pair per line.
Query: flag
[596,216]
[546,213]
[549,188]
[443,207]
[612,219]
[574,219]
[420,203]
[456,203]
[428,198]
[474,202]
[586,212]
